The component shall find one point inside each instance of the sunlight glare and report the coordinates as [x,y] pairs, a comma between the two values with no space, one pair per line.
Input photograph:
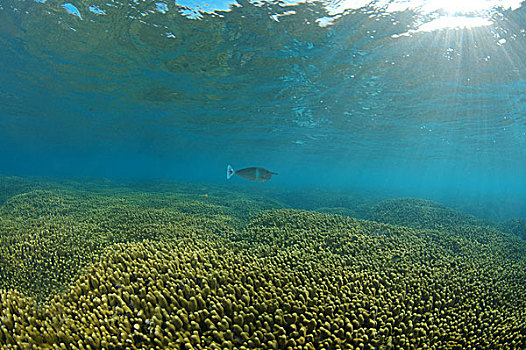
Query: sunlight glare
[456,7]
[454,22]
[445,13]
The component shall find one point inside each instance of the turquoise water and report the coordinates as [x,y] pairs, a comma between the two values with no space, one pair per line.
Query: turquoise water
[396,219]
[327,94]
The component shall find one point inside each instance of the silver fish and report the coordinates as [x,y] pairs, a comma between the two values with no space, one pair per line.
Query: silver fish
[256,174]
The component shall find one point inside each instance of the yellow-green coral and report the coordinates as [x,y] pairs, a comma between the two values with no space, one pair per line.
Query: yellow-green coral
[419,213]
[45,237]
[199,295]
[515,226]
[130,270]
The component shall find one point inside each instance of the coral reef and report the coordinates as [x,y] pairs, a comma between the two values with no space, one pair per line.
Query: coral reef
[420,213]
[343,211]
[11,186]
[45,237]
[329,201]
[135,270]
[516,227]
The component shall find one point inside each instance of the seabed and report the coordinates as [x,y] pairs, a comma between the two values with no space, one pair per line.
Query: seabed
[97,265]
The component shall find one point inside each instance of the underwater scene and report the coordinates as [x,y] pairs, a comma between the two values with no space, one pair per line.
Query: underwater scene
[340,174]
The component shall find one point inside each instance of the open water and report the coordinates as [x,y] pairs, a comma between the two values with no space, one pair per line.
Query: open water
[396,219]
[414,98]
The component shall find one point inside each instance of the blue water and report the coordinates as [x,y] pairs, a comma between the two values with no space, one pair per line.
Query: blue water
[329,97]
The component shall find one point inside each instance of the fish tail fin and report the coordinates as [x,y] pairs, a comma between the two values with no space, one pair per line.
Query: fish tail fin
[229,172]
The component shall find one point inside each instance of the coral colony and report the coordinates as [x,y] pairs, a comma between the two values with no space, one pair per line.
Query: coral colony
[136,271]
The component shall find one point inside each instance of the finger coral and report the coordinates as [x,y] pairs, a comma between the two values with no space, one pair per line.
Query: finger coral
[124,276]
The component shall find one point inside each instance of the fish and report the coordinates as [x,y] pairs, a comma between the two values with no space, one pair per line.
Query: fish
[255,173]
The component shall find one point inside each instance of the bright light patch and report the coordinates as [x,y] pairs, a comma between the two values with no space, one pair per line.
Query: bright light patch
[464,7]
[454,22]
[276,16]
[96,10]
[207,6]
[324,21]
[451,13]
[440,14]
[161,7]
[71,9]
[451,7]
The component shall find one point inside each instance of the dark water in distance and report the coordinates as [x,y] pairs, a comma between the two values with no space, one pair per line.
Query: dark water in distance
[372,101]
